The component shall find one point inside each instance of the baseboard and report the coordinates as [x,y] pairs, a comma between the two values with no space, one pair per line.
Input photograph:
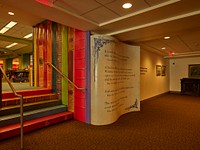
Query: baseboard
[175,92]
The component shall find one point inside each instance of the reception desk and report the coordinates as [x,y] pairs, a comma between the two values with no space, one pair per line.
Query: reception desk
[190,86]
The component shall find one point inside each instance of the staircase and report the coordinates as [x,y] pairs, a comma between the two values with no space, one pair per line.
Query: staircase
[41,108]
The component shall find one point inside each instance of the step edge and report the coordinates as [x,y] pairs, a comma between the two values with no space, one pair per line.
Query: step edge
[31,96]
[32,111]
[38,120]
[29,104]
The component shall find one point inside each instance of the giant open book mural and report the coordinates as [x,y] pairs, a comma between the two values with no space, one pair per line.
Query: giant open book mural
[115,79]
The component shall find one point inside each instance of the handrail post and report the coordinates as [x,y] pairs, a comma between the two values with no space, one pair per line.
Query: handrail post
[21,107]
[1,88]
[21,123]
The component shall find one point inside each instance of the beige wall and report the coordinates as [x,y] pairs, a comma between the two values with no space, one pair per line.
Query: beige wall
[179,70]
[150,84]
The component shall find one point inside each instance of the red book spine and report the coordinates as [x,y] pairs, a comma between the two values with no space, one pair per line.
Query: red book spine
[79,76]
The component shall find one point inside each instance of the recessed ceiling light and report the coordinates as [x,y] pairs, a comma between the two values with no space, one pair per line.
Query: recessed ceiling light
[163,48]
[166,37]
[8,26]
[11,13]
[11,24]
[127,5]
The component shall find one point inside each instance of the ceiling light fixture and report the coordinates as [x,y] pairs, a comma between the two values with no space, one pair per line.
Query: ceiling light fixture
[127,5]
[166,37]
[11,13]
[11,45]
[28,36]
[8,26]
[11,24]
[163,48]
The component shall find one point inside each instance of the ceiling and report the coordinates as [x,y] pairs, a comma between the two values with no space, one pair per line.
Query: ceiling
[144,24]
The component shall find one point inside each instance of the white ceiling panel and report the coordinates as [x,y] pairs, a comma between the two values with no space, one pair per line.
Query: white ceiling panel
[19,31]
[176,45]
[148,47]
[157,44]
[192,39]
[3,23]
[13,50]
[18,46]
[103,2]
[3,44]
[77,6]
[100,15]
[154,2]
[20,16]
[160,30]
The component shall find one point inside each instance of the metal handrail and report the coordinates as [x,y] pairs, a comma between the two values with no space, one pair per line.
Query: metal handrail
[21,107]
[82,89]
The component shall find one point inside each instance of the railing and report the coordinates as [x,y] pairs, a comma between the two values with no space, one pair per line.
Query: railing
[21,106]
[82,89]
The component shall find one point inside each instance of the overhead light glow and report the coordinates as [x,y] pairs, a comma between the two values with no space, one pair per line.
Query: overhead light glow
[3,30]
[166,37]
[28,36]
[163,48]
[127,5]
[11,45]
[11,24]
[11,13]
[8,26]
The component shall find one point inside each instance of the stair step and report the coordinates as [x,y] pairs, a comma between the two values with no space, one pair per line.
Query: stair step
[29,107]
[28,99]
[7,95]
[14,130]
[28,115]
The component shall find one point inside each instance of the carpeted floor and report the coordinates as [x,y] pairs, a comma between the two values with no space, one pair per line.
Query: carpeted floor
[168,122]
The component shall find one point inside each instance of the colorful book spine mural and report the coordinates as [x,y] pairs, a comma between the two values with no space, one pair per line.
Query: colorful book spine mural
[71,68]
[48,58]
[58,63]
[107,69]
[64,65]
[115,78]
[43,54]
[54,55]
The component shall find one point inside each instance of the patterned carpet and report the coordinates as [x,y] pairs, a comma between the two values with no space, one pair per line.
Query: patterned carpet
[167,122]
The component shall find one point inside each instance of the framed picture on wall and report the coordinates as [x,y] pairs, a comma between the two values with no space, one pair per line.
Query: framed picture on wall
[194,71]
[163,70]
[158,70]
